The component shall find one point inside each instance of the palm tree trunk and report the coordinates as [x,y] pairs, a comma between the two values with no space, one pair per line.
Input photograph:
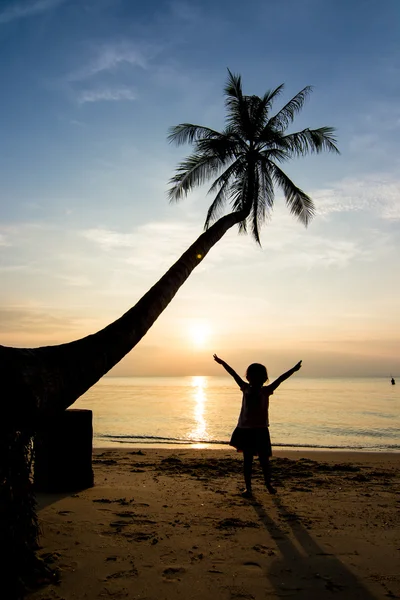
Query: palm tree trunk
[43,381]
[19,528]
[49,379]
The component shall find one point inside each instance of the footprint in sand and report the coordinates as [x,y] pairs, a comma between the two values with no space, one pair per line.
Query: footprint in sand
[126,514]
[264,549]
[141,536]
[119,524]
[172,573]
[253,567]
[124,501]
[123,574]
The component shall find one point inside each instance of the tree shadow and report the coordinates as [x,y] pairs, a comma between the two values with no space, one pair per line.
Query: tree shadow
[44,499]
[305,570]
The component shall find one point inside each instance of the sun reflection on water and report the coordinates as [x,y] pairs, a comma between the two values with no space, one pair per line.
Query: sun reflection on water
[199,387]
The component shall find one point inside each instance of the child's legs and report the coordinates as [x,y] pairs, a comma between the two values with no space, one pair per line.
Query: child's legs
[266,467]
[247,467]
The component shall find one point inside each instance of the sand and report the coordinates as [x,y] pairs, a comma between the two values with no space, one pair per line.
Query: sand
[170,524]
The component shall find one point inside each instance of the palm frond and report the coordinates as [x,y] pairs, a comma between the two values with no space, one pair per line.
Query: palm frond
[223,185]
[215,210]
[237,105]
[311,140]
[257,113]
[262,207]
[271,95]
[265,105]
[234,170]
[286,115]
[299,203]
[192,172]
[232,133]
[187,133]
[233,86]
[239,190]
[266,187]
[270,138]
[257,209]
[257,110]
[224,147]
[278,154]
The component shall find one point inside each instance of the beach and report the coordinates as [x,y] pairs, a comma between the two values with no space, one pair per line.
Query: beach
[163,524]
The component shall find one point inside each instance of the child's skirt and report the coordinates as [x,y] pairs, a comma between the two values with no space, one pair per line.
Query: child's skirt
[252,439]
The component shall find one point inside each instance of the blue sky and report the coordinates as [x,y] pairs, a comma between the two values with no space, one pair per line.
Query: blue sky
[89,90]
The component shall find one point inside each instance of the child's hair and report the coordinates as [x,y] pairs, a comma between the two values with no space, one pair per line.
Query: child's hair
[256,372]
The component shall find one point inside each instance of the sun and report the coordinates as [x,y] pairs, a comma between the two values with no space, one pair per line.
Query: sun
[199,333]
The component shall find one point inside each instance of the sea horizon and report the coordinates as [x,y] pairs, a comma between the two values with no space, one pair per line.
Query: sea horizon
[271,378]
[357,413]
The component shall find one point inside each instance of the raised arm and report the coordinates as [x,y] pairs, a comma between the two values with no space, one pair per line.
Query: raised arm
[229,369]
[284,376]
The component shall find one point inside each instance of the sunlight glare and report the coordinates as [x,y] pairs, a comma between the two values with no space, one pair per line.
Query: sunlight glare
[199,385]
[199,332]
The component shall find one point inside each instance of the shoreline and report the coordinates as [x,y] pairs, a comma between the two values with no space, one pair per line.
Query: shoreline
[170,524]
[317,455]
[126,446]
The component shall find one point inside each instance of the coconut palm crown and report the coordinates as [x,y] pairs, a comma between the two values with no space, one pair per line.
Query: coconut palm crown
[246,156]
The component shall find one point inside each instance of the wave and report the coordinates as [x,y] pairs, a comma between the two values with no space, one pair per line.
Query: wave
[153,439]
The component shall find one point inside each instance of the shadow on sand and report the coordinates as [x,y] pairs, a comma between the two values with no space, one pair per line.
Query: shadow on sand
[306,570]
[44,499]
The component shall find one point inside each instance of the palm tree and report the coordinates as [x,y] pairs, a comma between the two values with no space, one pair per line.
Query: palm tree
[245,159]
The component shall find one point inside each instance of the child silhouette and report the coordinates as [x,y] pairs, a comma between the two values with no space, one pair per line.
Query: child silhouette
[251,436]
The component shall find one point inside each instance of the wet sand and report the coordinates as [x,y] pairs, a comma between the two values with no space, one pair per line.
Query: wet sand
[171,524]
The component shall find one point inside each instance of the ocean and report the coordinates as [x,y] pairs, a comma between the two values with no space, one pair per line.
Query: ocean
[202,411]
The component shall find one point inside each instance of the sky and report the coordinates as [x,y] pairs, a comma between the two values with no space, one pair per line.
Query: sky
[89,89]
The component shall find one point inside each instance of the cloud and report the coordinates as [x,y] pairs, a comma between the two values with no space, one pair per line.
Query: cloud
[109,56]
[15,234]
[23,10]
[31,326]
[284,246]
[14,268]
[378,193]
[3,240]
[38,319]
[106,94]
[150,247]
[325,253]
[96,80]
[75,280]
[154,247]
